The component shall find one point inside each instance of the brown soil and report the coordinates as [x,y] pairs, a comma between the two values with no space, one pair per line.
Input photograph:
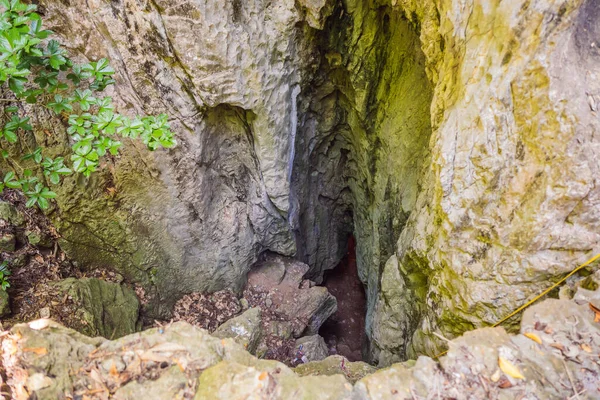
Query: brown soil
[344,331]
[34,268]
[207,311]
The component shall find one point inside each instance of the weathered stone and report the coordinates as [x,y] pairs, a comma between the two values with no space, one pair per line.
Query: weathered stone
[283,329]
[38,238]
[229,75]
[556,359]
[57,352]
[229,380]
[282,278]
[313,347]
[245,329]
[336,365]
[7,242]
[4,303]
[104,308]
[171,385]
[10,214]
[458,138]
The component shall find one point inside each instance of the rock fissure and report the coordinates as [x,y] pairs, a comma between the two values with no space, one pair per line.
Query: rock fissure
[363,142]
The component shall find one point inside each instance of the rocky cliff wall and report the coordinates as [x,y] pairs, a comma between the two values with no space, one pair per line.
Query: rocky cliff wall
[455,138]
[228,74]
[510,199]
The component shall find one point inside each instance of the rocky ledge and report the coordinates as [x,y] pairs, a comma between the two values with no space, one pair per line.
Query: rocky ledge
[555,356]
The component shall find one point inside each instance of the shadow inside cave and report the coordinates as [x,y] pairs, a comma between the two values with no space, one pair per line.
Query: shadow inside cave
[344,331]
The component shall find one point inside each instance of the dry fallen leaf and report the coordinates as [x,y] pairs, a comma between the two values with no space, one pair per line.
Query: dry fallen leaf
[113,370]
[533,337]
[509,369]
[596,310]
[586,347]
[263,376]
[504,383]
[558,346]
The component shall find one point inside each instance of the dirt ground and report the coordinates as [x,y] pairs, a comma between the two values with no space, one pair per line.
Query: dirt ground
[344,332]
[34,267]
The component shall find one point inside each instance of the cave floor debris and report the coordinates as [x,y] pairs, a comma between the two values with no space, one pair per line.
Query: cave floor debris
[344,332]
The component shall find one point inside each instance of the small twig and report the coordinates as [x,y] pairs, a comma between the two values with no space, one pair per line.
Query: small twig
[576,396]
[443,338]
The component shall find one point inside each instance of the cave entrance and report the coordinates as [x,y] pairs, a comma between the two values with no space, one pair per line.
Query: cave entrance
[344,331]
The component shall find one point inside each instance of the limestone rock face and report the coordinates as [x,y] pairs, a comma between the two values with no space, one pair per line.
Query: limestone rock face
[510,197]
[228,74]
[336,365]
[456,140]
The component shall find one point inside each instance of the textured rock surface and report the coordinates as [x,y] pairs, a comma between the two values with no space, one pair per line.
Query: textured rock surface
[458,137]
[195,218]
[313,347]
[105,309]
[10,214]
[336,365]
[556,360]
[511,197]
[297,299]
[245,329]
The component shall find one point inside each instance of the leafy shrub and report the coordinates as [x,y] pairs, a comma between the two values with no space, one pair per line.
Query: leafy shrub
[36,70]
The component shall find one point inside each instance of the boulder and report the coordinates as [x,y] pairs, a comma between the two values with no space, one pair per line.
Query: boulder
[554,357]
[39,238]
[106,309]
[229,380]
[336,365]
[10,214]
[245,329]
[7,242]
[290,295]
[312,347]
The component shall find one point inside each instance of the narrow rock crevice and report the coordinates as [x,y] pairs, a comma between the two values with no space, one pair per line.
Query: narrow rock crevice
[361,145]
[344,331]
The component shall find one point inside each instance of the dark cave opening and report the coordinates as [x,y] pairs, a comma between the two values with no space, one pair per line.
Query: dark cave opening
[344,331]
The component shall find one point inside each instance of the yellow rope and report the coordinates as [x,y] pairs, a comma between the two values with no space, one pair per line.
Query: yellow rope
[545,292]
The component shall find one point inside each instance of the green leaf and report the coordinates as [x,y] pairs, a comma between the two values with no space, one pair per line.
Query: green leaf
[10,136]
[31,202]
[16,84]
[48,194]
[55,178]
[13,184]
[43,203]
